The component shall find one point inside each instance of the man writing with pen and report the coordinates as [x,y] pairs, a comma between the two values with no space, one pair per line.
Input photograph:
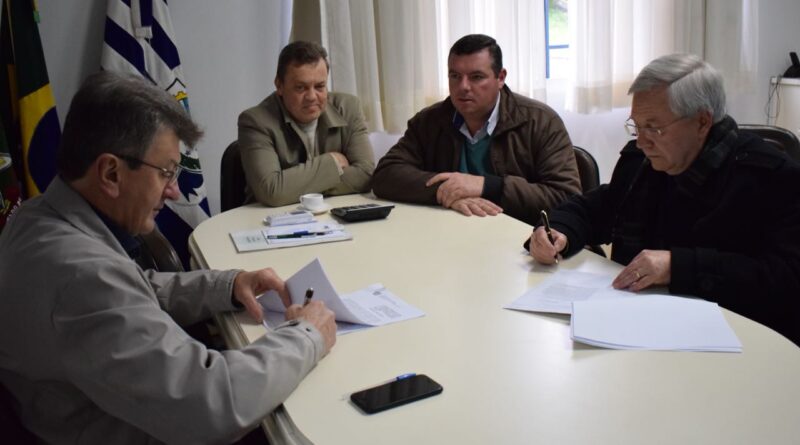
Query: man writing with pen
[694,203]
[92,348]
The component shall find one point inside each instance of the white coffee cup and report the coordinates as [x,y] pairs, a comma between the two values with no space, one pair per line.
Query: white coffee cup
[312,201]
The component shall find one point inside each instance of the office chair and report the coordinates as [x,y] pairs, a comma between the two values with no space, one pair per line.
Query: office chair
[589,173]
[157,253]
[232,182]
[782,138]
[588,170]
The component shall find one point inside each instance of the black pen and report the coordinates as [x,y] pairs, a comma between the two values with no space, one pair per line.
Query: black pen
[547,230]
[301,234]
[309,295]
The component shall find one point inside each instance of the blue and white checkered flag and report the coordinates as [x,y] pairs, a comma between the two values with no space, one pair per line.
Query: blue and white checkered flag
[139,40]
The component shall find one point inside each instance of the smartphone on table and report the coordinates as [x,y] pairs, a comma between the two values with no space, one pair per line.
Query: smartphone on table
[402,390]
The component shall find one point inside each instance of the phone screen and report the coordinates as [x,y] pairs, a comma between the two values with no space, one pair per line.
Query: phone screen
[395,393]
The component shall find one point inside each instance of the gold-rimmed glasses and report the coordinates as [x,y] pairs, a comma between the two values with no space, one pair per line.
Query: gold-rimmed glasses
[170,175]
[634,130]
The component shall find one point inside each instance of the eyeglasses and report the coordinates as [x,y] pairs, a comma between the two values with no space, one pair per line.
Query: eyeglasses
[634,130]
[171,175]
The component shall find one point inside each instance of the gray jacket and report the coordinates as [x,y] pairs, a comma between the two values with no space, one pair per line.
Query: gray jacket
[91,347]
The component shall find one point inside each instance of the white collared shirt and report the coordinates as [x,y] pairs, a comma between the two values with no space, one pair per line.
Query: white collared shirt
[488,127]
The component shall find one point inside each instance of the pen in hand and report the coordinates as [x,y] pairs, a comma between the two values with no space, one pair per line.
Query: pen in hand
[309,295]
[547,230]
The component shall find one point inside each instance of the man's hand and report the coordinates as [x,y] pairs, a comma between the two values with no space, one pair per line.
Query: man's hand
[476,206]
[542,249]
[649,268]
[320,316]
[340,159]
[247,285]
[456,186]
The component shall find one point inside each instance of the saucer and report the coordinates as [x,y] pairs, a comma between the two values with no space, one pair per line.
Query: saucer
[319,211]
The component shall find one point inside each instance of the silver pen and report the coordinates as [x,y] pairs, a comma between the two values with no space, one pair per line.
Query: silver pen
[309,295]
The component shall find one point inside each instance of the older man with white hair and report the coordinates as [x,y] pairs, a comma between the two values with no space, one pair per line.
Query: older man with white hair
[693,204]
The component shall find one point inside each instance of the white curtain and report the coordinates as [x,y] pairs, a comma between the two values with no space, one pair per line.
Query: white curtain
[611,40]
[731,41]
[392,54]
[518,27]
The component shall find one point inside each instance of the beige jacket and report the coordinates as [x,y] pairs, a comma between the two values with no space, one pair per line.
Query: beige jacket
[271,149]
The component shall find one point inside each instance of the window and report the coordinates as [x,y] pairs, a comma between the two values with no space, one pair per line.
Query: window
[556,29]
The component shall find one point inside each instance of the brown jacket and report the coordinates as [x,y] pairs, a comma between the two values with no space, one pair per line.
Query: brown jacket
[531,155]
[272,150]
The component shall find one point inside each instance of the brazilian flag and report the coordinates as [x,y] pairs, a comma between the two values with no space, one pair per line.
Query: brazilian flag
[26,100]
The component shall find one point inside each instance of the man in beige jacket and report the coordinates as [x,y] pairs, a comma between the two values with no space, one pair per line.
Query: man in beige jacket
[303,139]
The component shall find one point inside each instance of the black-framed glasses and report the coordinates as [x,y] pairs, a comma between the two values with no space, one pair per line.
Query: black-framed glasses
[171,175]
[634,130]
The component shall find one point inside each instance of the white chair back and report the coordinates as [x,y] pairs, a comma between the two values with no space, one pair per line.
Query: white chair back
[381,143]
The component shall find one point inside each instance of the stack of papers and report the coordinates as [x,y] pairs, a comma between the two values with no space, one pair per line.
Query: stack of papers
[653,322]
[557,293]
[289,236]
[610,318]
[372,306]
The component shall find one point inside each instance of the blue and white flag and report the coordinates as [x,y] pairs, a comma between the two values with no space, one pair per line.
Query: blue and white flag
[139,40]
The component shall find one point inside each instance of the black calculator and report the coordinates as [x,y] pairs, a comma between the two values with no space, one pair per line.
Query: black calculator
[362,212]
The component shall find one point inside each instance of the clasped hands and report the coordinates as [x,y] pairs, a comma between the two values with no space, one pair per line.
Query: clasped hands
[341,159]
[248,285]
[648,268]
[462,193]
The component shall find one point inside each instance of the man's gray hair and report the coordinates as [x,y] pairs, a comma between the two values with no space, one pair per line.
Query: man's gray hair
[692,84]
[118,114]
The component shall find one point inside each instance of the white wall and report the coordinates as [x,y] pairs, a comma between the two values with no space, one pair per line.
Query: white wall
[778,34]
[72,38]
[229,52]
[230,49]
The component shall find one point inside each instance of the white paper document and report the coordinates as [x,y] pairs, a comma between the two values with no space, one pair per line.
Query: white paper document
[654,322]
[289,236]
[372,306]
[557,293]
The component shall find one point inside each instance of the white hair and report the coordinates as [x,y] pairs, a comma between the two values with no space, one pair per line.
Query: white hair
[692,84]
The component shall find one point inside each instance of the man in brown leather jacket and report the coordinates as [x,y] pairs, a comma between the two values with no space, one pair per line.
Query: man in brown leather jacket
[483,150]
